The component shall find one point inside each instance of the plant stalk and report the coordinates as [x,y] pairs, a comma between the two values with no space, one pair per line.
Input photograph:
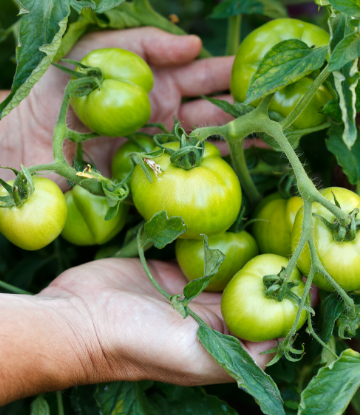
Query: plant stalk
[233,35]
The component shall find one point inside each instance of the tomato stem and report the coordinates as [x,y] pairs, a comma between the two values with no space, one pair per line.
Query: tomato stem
[13,289]
[233,35]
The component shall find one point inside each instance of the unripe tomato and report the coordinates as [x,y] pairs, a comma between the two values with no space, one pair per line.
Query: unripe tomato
[273,231]
[121,163]
[248,313]
[39,220]
[341,260]
[122,105]
[255,46]
[85,223]
[238,249]
[208,197]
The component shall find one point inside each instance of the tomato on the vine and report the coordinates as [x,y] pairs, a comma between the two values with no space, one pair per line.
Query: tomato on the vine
[121,163]
[340,259]
[273,231]
[238,249]
[248,313]
[85,223]
[121,105]
[39,220]
[253,49]
[208,197]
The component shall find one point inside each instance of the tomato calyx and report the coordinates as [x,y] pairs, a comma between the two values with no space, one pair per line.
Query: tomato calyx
[340,232]
[20,191]
[285,348]
[190,152]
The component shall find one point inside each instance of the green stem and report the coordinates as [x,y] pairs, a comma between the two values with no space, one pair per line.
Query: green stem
[242,171]
[233,35]
[60,403]
[311,331]
[131,250]
[296,112]
[146,268]
[79,152]
[76,137]
[358,187]
[12,289]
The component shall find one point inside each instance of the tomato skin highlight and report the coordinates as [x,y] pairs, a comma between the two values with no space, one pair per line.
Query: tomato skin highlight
[250,315]
[341,260]
[238,249]
[86,224]
[121,163]
[273,231]
[208,197]
[253,49]
[121,106]
[39,220]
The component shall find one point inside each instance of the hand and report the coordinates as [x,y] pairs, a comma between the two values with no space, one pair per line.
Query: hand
[26,133]
[104,321]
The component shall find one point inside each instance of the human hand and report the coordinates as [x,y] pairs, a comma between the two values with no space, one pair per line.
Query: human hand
[26,133]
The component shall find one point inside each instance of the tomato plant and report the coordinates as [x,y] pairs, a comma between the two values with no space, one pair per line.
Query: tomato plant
[121,105]
[275,218]
[238,249]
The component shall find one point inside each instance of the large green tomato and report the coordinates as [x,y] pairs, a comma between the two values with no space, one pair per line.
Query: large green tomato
[39,220]
[248,313]
[341,260]
[208,197]
[121,163]
[273,232]
[121,105]
[85,223]
[238,249]
[253,49]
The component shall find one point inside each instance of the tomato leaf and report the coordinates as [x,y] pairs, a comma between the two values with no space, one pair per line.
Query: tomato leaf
[270,8]
[349,7]
[346,81]
[345,51]
[283,64]
[83,401]
[40,33]
[332,110]
[236,110]
[213,258]
[348,159]
[40,407]
[331,308]
[332,389]
[229,354]
[124,398]
[161,231]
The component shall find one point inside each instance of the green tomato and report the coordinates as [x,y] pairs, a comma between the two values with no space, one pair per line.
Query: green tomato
[273,231]
[341,260]
[121,163]
[39,220]
[253,49]
[208,197]
[85,223]
[121,105]
[248,313]
[238,249]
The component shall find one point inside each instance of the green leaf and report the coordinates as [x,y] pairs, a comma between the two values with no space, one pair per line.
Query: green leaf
[124,398]
[178,305]
[338,26]
[106,5]
[349,7]
[83,401]
[332,389]
[331,308]
[236,110]
[40,407]
[332,110]
[213,258]
[161,231]
[345,51]
[270,8]
[229,354]
[41,30]
[79,5]
[346,81]
[348,159]
[283,64]
[179,400]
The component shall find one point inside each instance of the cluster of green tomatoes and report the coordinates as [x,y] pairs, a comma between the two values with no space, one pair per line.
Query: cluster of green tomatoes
[207,197]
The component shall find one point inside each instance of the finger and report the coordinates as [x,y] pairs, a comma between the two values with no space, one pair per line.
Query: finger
[204,76]
[201,113]
[157,47]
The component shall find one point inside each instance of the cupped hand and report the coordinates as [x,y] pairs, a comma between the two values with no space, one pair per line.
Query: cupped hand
[26,133]
[125,329]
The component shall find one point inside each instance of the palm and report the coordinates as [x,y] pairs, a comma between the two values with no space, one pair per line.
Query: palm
[131,325]
[176,75]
